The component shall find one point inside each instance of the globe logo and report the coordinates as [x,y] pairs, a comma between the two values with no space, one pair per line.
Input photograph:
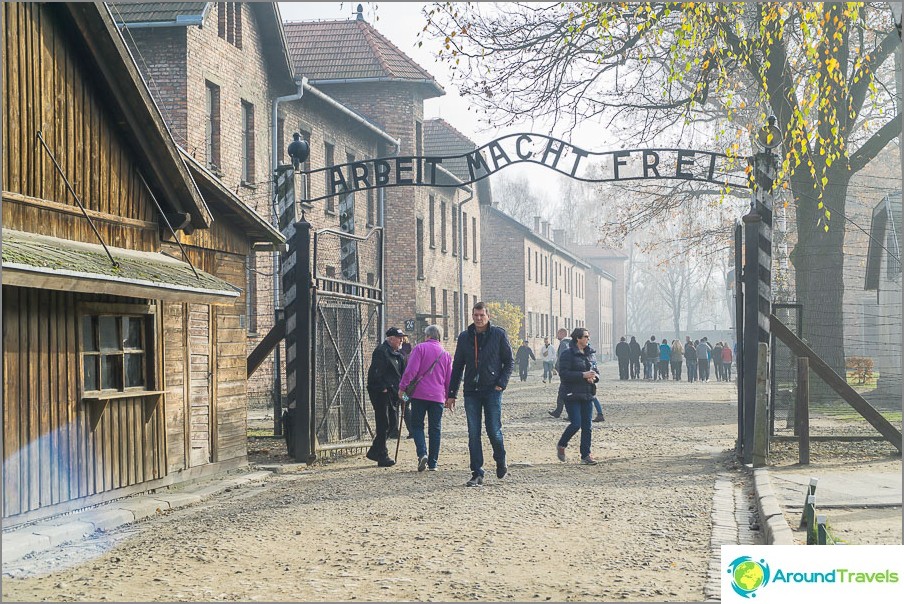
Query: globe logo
[748,575]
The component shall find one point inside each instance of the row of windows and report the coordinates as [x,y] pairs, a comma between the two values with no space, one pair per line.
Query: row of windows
[432,222]
[212,134]
[450,318]
[537,325]
[538,271]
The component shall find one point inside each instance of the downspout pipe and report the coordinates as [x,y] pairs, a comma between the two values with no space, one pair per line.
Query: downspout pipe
[381,220]
[461,262]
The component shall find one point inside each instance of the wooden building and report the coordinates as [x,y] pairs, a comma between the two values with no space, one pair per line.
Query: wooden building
[123,353]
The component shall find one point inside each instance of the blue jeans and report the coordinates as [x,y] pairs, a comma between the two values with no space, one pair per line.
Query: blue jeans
[547,370]
[491,405]
[579,413]
[434,413]
[596,403]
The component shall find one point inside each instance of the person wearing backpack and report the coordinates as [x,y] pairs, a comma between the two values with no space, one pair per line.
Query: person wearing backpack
[426,382]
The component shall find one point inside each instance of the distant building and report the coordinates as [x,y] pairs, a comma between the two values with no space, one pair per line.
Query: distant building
[883,274]
[548,282]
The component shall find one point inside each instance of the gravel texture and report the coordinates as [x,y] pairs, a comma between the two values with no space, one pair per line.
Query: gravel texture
[636,527]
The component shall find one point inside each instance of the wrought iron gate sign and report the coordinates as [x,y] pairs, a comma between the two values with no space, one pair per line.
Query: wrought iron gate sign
[556,154]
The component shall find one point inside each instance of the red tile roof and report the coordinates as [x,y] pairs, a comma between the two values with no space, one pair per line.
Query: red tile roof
[351,50]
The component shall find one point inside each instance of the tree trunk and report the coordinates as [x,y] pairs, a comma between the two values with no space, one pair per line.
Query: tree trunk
[818,263]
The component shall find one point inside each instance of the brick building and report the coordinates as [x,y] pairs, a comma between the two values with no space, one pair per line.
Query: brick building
[214,70]
[549,283]
[610,265]
[351,62]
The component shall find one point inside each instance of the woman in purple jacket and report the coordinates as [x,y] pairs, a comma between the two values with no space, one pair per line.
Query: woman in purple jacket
[430,368]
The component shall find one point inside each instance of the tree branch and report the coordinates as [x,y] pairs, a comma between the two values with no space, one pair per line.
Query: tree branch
[871,148]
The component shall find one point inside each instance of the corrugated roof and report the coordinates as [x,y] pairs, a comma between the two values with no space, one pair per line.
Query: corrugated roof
[351,50]
[441,139]
[157,12]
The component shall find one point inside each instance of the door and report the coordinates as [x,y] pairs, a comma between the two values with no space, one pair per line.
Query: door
[199,399]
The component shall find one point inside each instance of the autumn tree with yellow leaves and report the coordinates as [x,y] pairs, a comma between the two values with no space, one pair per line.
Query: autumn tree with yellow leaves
[825,70]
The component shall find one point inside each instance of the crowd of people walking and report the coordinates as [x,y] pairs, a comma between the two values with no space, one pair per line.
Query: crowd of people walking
[665,361]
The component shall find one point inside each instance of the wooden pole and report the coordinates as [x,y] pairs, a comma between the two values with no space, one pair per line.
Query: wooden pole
[803,409]
[761,417]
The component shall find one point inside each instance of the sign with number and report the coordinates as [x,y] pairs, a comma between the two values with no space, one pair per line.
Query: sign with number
[409,324]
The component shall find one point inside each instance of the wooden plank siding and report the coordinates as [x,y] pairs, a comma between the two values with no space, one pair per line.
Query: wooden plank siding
[46,87]
[56,450]
[50,452]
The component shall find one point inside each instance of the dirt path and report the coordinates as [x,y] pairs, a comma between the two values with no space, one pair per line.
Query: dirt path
[635,527]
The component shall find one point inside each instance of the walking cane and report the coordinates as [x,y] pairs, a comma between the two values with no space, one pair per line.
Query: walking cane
[401,420]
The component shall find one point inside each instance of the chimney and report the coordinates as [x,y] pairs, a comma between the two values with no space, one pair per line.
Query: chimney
[537,225]
[545,232]
[558,236]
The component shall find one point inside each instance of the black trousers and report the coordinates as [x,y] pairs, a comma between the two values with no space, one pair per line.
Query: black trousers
[664,369]
[522,369]
[676,370]
[384,415]
[622,369]
[635,368]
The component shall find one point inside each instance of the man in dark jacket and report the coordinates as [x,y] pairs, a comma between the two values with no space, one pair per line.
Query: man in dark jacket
[523,358]
[484,354]
[386,367]
[622,352]
[634,356]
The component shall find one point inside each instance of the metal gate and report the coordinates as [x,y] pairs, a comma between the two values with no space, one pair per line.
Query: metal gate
[347,306]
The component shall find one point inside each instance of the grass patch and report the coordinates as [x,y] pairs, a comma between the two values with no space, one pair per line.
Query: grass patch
[260,432]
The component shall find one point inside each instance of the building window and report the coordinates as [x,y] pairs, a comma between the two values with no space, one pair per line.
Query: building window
[329,159]
[418,138]
[229,22]
[306,166]
[432,219]
[445,314]
[432,305]
[371,208]
[528,265]
[455,304]
[442,225]
[420,248]
[454,231]
[474,239]
[347,204]
[252,292]
[212,126]
[115,352]
[464,235]
[247,143]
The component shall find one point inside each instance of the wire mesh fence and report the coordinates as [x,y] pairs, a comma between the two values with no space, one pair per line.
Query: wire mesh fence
[868,330]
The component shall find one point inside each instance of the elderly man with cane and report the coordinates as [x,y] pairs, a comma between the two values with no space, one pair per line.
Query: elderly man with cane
[387,364]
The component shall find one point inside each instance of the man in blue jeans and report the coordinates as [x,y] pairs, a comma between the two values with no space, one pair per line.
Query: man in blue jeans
[484,354]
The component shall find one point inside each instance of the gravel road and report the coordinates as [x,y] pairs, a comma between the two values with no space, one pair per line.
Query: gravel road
[635,527]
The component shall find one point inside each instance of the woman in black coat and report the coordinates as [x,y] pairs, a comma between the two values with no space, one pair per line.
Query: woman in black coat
[578,386]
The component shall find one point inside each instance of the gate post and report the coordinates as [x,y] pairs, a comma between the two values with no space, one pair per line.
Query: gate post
[303,285]
[739,332]
[758,272]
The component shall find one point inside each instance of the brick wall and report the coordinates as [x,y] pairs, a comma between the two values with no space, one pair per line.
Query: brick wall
[160,55]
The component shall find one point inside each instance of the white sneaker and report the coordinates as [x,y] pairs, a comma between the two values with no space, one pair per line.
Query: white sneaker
[422,463]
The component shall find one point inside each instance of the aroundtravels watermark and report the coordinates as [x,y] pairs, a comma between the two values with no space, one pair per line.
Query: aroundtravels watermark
[779,573]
